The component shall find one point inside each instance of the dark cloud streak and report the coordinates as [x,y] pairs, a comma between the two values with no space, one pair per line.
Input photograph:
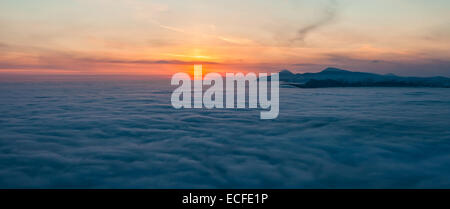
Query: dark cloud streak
[329,15]
[147,62]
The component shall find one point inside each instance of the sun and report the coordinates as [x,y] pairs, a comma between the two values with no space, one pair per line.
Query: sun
[197,71]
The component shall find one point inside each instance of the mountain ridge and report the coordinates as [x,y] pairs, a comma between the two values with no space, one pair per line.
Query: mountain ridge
[336,77]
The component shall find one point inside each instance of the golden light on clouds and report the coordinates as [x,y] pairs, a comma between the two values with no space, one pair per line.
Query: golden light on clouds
[159,37]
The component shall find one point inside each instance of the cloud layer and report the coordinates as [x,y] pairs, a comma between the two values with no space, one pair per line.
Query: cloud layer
[126,135]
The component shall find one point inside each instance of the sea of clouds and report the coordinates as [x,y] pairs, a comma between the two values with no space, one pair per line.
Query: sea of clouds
[111,134]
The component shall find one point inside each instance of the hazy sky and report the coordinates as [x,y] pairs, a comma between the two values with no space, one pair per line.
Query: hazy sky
[406,37]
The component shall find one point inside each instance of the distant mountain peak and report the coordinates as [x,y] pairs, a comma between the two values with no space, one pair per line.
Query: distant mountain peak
[334,70]
[286,72]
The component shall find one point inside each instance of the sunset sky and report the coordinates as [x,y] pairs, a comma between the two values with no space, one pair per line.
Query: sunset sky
[160,37]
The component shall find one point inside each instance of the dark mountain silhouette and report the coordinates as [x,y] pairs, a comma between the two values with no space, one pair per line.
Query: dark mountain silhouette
[335,77]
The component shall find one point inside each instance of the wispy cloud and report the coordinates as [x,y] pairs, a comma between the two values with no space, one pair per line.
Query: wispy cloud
[329,14]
